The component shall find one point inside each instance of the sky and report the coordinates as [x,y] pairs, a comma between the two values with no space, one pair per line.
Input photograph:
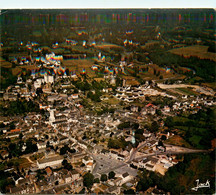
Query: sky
[70,4]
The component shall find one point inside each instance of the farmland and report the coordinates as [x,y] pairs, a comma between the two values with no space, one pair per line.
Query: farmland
[199,51]
[79,65]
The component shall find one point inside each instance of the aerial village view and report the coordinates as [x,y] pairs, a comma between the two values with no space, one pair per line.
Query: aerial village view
[113,101]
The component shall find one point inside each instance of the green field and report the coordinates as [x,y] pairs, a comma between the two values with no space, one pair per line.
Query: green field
[187,91]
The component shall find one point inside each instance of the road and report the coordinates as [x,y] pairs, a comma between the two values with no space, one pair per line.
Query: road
[170,149]
[171,152]
[205,90]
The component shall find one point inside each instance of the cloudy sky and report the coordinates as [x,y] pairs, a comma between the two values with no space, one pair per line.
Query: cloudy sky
[10,4]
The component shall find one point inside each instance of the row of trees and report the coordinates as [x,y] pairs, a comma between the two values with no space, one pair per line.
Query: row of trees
[89,180]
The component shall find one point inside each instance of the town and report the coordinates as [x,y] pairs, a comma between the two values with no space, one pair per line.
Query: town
[99,128]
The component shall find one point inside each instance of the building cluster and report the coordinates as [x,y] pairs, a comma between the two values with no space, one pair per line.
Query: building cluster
[67,134]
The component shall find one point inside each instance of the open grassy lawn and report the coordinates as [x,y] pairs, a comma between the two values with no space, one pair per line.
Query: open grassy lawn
[199,51]
[181,119]
[112,101]
[195,140]
[178,141]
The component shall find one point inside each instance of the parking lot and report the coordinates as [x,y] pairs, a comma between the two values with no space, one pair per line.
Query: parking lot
[105,164]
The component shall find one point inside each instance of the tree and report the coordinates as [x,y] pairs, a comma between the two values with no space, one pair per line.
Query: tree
[154,126]
[163,137]
[13,150]
[111,175]
[12,126]
[103,177]
[66,165]
[130,191]
[160,143]
[124,125]
[64,162]
[20,136]
[135,125]
[158,112]
[96,180]
[88,180]
[64,150]
[169,121]
[30,147]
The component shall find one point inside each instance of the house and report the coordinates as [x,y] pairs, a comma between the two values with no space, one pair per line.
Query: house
[87,159]
[143,163]
[135,162]
[10,96]
[121,157]
[166,109]
[104,151]
[38,82]
[75,96]
[41,185]
[48,171]
[52,162]
[22,181]
[113,190]
[126,177]
[52,98]
[146,133]
[149,109]
[13,134]
[4,154]
[67,178]
[153,160]
[98,149]
[174,161]
[167,165]
[17,190]
[164,161]
[74,175]
[117,181]
[41,145]
[152,143]
[134,108]
[77,186]
[62,189]
[90,166]
[48,78]
[150,167]
[30,189]
[114,154]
